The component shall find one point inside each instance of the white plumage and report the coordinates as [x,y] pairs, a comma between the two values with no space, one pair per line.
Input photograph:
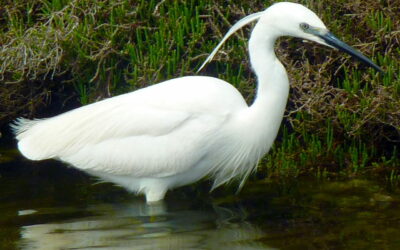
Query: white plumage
[178,131]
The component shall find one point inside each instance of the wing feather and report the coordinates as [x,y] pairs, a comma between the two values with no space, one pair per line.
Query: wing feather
[67,133]
[157,131]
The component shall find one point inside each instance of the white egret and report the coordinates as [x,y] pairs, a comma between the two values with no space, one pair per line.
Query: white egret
[176,132]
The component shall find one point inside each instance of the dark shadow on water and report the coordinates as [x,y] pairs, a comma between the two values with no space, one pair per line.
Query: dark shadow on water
[47,205]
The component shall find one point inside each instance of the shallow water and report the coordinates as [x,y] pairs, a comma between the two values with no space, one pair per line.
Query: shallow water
[47,205]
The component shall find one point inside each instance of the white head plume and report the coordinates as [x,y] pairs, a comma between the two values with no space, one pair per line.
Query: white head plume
[242,22]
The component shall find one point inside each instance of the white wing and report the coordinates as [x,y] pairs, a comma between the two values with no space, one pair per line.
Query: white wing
[156,131]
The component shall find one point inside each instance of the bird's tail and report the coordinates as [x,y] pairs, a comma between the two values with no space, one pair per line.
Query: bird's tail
[20,125]
[29,141]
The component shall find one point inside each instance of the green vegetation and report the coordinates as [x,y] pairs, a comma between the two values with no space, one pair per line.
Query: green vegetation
[343,119]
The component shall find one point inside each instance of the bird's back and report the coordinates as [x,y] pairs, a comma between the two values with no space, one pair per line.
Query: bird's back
[165,124]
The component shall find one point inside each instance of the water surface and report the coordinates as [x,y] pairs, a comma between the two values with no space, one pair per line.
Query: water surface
[47,205]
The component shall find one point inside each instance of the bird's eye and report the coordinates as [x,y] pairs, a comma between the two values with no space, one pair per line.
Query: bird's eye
[304,26]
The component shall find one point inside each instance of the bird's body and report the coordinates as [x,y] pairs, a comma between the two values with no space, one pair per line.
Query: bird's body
[167,136]
[178,131]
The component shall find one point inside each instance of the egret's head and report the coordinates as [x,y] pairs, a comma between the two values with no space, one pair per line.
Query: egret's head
[291,19]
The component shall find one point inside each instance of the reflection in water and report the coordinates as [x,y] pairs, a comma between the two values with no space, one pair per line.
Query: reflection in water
[47,206]
[137,226]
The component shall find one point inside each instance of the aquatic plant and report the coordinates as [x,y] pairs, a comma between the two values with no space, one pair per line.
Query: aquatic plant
[339,118]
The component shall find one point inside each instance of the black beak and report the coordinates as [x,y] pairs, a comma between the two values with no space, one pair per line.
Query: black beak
[332,40]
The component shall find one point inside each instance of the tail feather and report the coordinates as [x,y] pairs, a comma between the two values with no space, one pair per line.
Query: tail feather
[29,144]
[21,125]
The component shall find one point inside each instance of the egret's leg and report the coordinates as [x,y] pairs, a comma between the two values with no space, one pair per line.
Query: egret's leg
[155,194]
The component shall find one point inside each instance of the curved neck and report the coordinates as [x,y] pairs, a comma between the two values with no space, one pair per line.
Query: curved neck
[273,83]
[271,75]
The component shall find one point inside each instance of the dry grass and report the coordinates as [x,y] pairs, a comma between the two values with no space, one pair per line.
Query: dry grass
[103,48]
